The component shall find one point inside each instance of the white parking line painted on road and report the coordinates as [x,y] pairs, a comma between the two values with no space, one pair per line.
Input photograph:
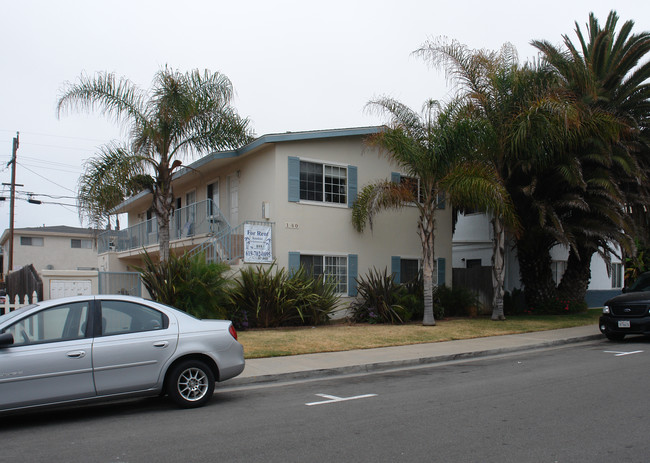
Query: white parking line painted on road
[333,399]
[619,354]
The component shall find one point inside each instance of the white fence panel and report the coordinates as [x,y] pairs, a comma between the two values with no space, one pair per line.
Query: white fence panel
[8,306]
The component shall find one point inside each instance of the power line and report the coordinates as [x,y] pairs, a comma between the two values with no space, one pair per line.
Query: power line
[45,178]
[47,161]
[60,147]
[51,168]
[55,136]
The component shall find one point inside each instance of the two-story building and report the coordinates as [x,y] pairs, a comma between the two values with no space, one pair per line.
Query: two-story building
[53,247]
[283,198]
[472,247]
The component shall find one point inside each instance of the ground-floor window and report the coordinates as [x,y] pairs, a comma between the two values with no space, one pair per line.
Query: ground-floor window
[334,266]
[617,275]
[409,270]
[405,270]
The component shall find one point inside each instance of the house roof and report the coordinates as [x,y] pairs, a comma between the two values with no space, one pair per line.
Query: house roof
[258,143]
[58,230]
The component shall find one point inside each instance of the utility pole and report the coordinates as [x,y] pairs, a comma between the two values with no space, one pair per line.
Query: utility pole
[10,264]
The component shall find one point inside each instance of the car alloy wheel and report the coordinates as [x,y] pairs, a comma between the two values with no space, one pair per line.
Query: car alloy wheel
[191,384]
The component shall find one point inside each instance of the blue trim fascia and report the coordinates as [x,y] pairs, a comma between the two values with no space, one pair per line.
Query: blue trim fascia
[278,138]
[299,136]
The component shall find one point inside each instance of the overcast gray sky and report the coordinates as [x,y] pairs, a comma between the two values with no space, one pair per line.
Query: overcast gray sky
[295,65]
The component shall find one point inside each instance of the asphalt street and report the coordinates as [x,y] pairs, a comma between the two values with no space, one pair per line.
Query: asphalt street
[584,402]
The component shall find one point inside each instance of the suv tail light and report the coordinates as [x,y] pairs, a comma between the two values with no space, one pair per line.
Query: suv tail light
[232,332]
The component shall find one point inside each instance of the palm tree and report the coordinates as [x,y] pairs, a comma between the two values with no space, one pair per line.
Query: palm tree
[108,179]
[604,75]
[522,119]
[435,151]
[183,114]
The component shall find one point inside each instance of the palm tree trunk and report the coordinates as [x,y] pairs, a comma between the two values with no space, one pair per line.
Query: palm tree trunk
[533,251]
[498,268]
[163,201]
[426,227]
[575,281]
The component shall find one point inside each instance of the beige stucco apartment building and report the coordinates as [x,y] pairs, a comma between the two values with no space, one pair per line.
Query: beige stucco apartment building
[51,248]
[283,198]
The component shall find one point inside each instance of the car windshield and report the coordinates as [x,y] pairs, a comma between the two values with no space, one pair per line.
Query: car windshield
[641,284]
[14,313]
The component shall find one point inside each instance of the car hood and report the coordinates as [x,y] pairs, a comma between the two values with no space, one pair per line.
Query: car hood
[640,296]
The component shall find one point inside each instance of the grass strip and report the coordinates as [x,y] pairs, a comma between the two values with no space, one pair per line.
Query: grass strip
[341,337]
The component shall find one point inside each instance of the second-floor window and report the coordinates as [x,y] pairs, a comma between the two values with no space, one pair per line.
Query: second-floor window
[323,183]
[81,244]
[31,241]
[414,184]
[320,182]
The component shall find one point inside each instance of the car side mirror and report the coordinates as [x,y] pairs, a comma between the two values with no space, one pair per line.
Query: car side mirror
[6,339]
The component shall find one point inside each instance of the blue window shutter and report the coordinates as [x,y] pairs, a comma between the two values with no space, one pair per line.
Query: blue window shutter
[294,262]
[352,185]
[395,177]
[294,179]
[353,271]
[441,271]
[442,199]
[395,268]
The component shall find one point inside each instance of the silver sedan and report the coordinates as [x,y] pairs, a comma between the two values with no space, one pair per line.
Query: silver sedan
[94,348]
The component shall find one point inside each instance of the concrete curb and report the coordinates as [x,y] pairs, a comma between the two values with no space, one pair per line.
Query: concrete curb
[396,364]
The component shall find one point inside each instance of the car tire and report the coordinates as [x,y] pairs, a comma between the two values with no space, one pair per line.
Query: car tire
[615,336]
[190,384]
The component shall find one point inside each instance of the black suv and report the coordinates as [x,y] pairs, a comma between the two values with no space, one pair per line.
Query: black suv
[628,313]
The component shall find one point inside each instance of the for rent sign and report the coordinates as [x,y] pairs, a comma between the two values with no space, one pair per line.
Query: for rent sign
[257,244]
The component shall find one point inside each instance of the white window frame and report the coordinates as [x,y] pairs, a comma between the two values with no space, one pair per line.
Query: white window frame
[341,279]
[440,197]
[617,275]
[324,164]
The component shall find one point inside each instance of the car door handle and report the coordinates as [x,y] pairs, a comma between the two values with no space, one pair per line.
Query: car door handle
[76,354]
[161,344]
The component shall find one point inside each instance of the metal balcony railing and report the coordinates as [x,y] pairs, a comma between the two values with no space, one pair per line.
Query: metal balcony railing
[202,218]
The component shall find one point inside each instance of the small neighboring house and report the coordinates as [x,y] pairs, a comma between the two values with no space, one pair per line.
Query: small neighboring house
[51,248]
[283,198]
[472,247]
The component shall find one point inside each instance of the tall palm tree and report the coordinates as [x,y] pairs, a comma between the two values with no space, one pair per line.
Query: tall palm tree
[606,77]
[522,120]
[435,150]
[181,115]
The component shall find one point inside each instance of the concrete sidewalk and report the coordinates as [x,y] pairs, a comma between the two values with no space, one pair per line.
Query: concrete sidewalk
[365,360]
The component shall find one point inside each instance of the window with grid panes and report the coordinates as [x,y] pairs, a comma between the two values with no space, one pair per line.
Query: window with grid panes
[323,183]
[335,267]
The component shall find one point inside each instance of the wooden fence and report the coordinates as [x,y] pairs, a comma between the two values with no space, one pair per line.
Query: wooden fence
[24,281]
[8,306]
[478,280]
